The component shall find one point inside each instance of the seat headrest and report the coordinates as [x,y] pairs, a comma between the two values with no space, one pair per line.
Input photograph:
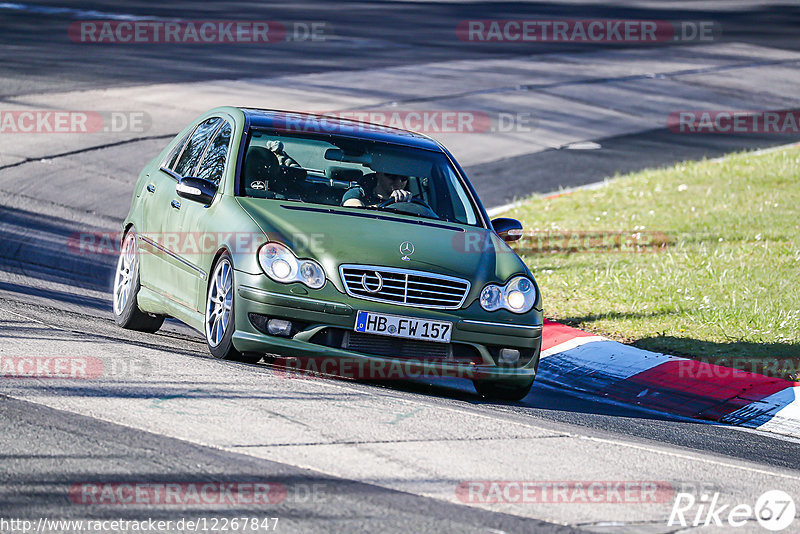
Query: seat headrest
[260,164]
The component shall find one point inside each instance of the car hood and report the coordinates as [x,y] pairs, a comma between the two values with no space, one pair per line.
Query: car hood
[335,236]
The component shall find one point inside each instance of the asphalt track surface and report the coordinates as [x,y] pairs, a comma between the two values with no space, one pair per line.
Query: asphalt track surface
[353,456]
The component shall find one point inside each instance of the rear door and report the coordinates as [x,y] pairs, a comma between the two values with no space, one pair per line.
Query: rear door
[157,193]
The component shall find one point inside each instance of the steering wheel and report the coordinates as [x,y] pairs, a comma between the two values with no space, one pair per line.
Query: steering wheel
[412,200]
[410,209]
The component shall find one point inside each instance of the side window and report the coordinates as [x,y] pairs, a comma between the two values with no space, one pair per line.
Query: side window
[171,159]
[213,164]
[193,150]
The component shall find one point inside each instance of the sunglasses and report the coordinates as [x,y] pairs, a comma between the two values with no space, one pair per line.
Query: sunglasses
[396,177]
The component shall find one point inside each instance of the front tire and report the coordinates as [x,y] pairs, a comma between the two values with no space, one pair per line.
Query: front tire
[507,391]
[220,320]
[126,288]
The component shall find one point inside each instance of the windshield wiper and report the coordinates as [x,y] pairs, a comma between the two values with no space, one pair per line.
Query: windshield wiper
[389,208]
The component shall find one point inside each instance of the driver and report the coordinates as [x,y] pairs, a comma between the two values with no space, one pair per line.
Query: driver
[387,186]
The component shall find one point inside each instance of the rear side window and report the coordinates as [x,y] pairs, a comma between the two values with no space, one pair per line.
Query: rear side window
[172,159]
[213,164]
[193,150]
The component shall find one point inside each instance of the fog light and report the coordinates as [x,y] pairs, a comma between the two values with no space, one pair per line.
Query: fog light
[281,327]
[509,356]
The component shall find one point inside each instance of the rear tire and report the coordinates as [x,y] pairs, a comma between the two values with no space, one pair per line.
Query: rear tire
[126,288]
[507,391]
[220,319]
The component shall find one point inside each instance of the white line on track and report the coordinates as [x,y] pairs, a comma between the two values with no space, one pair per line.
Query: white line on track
[34,320]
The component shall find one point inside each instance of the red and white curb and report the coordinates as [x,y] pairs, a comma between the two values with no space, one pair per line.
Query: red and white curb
[574,359]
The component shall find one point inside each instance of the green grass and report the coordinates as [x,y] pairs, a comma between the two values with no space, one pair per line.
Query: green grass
[727,283]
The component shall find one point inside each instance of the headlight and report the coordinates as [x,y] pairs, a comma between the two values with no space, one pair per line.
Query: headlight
[492,298]
[518,296]
[311,274]
[280,264]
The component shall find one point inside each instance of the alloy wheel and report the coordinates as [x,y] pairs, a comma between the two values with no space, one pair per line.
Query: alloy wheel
[219,303]
[126,270]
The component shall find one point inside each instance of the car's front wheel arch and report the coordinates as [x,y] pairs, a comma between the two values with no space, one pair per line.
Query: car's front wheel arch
[223,347]
[217,255]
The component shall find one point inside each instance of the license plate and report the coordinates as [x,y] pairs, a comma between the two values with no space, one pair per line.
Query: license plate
[407,327]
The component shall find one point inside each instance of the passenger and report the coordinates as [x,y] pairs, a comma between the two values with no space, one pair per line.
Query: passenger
[378,188]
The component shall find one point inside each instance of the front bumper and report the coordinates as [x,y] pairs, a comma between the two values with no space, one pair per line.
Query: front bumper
[327,308]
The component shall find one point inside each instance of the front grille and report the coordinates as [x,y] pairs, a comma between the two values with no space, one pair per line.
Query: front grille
[401,286]
[392,347]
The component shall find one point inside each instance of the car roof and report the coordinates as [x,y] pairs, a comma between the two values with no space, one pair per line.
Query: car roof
[336,126]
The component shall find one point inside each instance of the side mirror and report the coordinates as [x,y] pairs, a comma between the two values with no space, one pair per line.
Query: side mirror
[196,189]
[508,229]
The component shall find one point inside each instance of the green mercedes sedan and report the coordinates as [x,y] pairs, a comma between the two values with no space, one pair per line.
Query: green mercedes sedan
[321,240]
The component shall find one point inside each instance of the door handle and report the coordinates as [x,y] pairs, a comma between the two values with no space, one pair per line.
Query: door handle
[151,188]
[175,204]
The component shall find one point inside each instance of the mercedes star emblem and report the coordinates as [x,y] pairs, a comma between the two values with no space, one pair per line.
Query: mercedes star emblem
[366,285]
[406,249]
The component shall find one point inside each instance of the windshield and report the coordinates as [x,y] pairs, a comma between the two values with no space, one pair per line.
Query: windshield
[354,173]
